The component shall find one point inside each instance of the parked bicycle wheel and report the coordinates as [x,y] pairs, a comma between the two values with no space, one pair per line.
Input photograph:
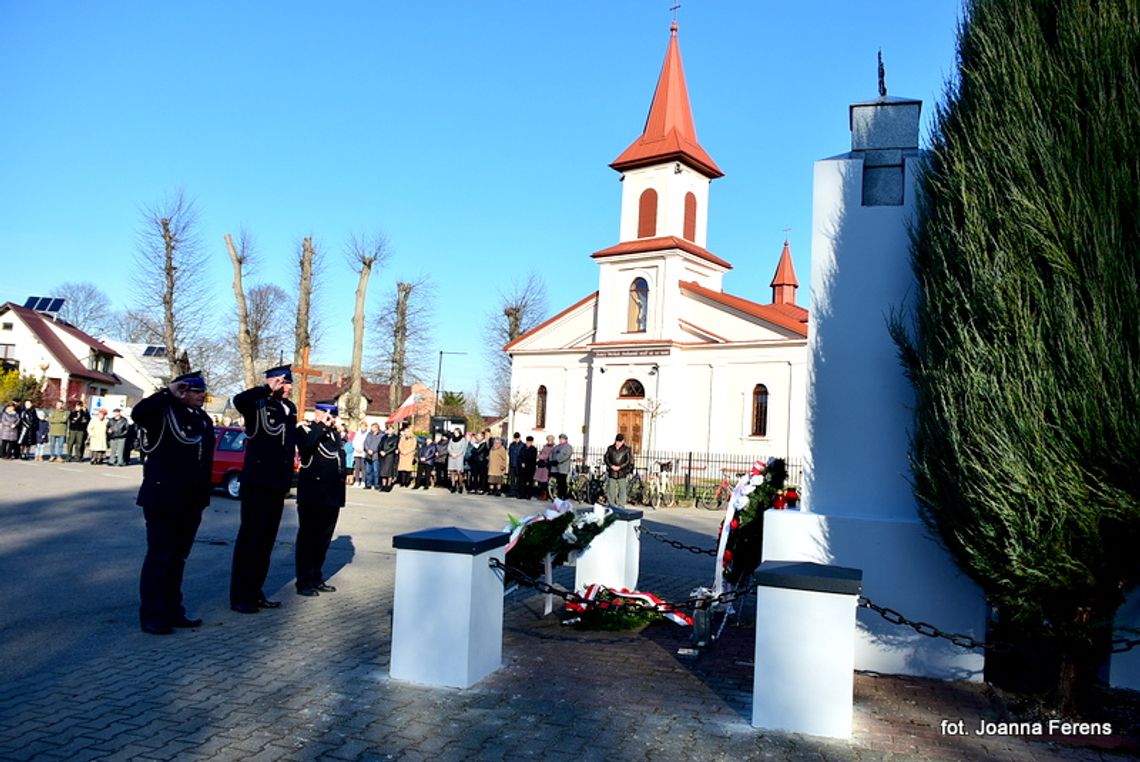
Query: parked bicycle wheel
[668,495]
[636,490]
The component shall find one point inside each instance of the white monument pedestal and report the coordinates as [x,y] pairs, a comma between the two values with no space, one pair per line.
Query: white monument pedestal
[447,624]
[805,648]
[613,559]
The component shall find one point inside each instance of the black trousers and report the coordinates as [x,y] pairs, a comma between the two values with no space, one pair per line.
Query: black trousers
[261,510]
[423,475]
[441,474]
[169,537]
[560,481]
[315,527]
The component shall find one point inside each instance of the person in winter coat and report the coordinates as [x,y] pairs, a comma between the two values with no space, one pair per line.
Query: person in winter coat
[117,429]
[97,437]
[619,464]
[406,450]
[542,469]
[456,450]
[372,457]
[42,440]
[9,423]
[426,457]
[561,461]
[496,467]
[477,464]
[77,422]
[28,429]
[441,461]
[528,458]
[57,432]
[388,446]
[320,496]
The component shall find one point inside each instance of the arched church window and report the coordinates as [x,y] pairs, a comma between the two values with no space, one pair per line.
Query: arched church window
[540,408]
[638,306]
[760,411]
[647,214]
[690,216]
[632,389]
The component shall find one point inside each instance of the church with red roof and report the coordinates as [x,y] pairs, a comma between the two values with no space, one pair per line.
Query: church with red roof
[661,352]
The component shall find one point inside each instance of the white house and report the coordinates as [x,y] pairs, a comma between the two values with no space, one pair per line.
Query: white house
[142,369]
[660,352]
[72,364]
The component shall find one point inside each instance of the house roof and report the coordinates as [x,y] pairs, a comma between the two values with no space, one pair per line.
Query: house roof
[669,134]
[789,316]
[375,395]
[540,326]
[42,327]
[659,244]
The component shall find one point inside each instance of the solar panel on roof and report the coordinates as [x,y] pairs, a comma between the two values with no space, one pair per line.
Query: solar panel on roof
[31,302]
[56,304]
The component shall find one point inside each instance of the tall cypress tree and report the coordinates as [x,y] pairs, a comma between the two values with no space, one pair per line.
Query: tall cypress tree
[1025,346]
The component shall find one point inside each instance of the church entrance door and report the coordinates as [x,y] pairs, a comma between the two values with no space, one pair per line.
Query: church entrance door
[630,425]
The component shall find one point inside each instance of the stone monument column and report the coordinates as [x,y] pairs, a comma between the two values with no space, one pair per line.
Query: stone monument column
[859,510]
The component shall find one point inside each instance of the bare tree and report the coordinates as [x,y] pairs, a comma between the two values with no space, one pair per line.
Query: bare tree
[404,325]
[240,256]
[268,309]
[86,307]
[167,280]
[302,336]
[520,309]
[364,253]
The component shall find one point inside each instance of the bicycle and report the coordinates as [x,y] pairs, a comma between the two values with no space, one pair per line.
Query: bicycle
[714,500]
[635,490]
[659,489]
[587,487]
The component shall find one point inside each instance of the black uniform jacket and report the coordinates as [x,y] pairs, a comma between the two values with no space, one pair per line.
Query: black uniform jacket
[177,469]
[321,478]
[271,425]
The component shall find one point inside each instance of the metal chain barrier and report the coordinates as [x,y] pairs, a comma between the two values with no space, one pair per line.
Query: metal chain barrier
[1119,645]
[674,543]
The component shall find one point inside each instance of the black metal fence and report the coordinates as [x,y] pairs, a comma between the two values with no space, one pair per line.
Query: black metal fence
[695,471]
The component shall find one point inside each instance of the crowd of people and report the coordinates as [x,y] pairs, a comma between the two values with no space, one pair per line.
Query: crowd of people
[476,462]
[67,435]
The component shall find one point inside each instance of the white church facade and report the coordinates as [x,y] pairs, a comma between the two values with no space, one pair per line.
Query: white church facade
[660,352]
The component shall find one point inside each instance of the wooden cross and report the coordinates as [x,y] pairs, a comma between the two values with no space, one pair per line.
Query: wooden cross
[303,387]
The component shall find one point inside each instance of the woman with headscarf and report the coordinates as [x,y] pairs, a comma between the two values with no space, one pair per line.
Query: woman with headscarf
[9,423]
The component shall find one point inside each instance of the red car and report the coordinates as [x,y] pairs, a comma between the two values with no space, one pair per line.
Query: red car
[229,456]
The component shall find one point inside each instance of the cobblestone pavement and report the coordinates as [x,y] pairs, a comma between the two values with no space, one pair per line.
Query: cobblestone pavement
[309,681]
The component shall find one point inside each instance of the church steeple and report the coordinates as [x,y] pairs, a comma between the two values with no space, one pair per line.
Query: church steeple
[669,133]
[784,283]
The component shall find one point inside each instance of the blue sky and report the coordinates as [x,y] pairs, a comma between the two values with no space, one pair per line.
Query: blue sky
[475,136]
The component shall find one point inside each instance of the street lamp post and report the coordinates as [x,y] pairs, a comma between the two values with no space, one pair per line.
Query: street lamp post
[439,377]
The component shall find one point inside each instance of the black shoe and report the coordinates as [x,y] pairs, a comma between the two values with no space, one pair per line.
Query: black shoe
[325,588]
[184,622]
[308,592]
[151,628]
[265,603]
[244,608]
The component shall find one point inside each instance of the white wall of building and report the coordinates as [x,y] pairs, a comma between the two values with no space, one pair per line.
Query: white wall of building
[671,186]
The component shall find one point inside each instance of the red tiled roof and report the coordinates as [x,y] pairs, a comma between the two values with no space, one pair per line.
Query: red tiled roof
[543,324]
[789,316]
[669,134]
[42,328]
[785,273]
[375,395]
[660,244]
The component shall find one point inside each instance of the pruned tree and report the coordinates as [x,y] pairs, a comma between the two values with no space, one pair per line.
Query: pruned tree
[170,290]
[86,307]
[1025,347]
[268,309]
[364,253]
[404,327]
[522,307]
[240,257]
[302,333]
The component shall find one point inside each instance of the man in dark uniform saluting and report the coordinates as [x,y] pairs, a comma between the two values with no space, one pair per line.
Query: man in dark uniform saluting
[320,495]
[267,474]
[174,492]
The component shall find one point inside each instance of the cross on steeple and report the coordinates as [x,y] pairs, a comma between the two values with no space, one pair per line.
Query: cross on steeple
[674,9]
